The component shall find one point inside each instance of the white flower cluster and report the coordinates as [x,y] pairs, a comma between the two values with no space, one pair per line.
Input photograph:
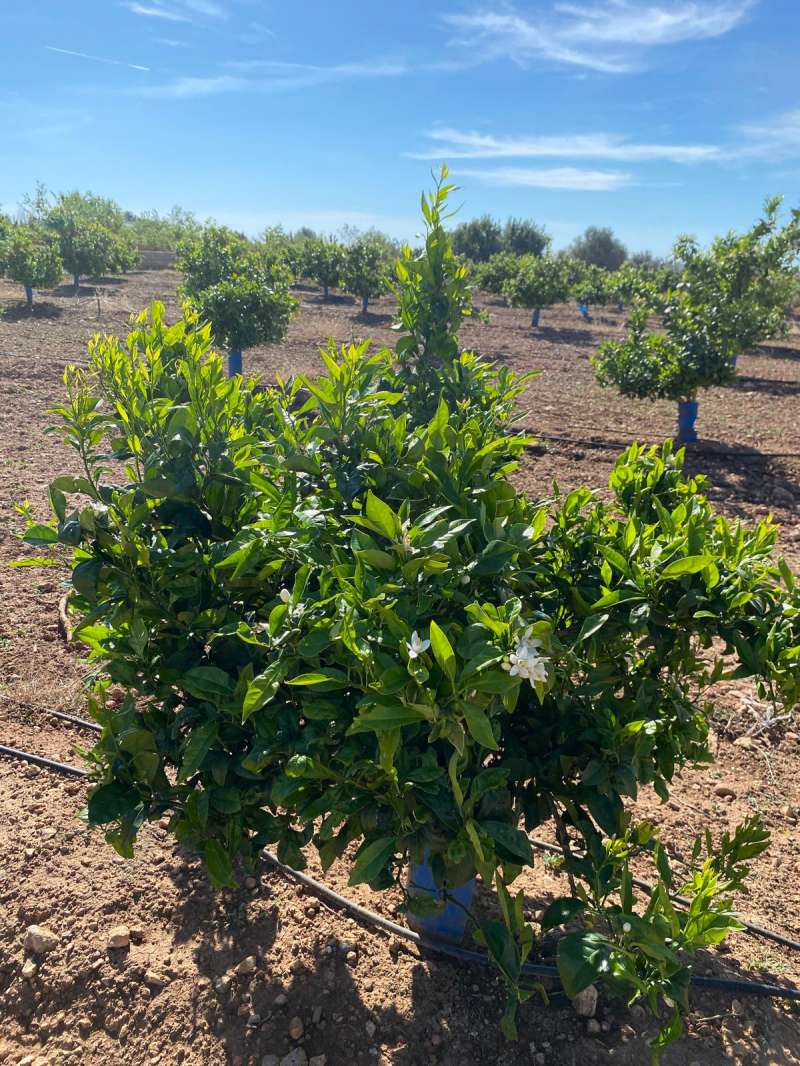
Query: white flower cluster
[526,661]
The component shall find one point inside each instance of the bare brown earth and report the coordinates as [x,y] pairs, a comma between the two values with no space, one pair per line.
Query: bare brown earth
[360,995]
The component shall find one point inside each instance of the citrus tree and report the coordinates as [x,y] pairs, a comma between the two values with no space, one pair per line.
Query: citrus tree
[322,259]
[31,258]
[356,635]
[364,269]
[246,311]
[729,297]
[495,273]
[538,282]
[215,255]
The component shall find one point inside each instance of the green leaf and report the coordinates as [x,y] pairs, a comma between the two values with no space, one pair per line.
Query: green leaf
[443,651]
[109,803]
[691,564]
[207,682]
[261,690]
[383,517]
[371,859]
[219,864]
[377,559]
[40,534]
[510,840]
[583,957]
[591,625]
[318,677]
[503,949]
[200,740]
[385,716]
[561,911]
[479,726]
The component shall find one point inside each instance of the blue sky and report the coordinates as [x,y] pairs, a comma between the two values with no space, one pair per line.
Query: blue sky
[653,117]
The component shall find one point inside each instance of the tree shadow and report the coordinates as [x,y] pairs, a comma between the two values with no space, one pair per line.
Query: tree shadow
[376,318]
[577,338]
[22,313]
[773,386]
[776,351]
[743,473]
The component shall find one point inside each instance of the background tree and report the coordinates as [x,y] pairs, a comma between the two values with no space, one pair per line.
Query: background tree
[31,258]
[322,260]
[215,255]
[492,275]
[537,283]
[364,269]
[478,239]
[522,236]
[599,247]
[730,296]
[149,229]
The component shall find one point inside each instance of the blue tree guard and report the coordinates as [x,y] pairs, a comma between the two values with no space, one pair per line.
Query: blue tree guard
[621,305]
[452,922]
[76,278]
[687,416]
[29,295]
[234,362]
[584,310]
[535,317]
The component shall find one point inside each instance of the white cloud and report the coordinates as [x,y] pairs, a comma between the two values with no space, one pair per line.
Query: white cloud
[607,36]
[775,138]
[265,76]
[176,10]
[572,179]
[465,144]
[95,59]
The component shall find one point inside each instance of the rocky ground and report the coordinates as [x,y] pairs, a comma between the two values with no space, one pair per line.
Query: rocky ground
[141,962]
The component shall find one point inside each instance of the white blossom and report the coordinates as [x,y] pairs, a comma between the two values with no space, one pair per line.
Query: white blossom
[526,661]
[416,646]
[626,927]
[285,595]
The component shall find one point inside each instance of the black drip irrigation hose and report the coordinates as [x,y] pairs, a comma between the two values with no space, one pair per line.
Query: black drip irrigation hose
[682,901]
[82,723]
[733,986]
[616,445]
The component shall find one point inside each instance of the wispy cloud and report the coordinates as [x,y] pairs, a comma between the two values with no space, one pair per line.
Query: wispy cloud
[463,144]
[608,36]
[264,76]
[177,10]
[171,42]
[95,59]
[571,179]
[775,138]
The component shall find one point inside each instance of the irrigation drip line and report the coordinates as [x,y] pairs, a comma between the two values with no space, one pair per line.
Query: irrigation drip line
[733,986]
[682,901]
[40,760]
[611,444]
[73,719]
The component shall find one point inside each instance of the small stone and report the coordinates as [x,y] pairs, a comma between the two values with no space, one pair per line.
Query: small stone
[270,1060]
[29,969]
[316,1015]
[253,1020]
[280,1000]
[724,792]
[371,1029]
[744,742]
[585,1003]
[593,1027]
[40,939]
[30,853]
[351,958]
[318,1060]
[155,980]
[250,882]
[540,1058]
[203,982]
[296,1028]
[247,965]
[296,1057]
[222,984]
[119,937]
[737,1006]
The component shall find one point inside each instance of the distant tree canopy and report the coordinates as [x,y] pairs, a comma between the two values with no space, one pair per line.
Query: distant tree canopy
[481,238]
[599,247]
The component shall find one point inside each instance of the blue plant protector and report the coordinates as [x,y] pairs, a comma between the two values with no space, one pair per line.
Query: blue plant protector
[234,362]
[734,361]
[29,295]
[621,305]
[584,310]
[76,278]
[535,317]
[687,416]
[452,922]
